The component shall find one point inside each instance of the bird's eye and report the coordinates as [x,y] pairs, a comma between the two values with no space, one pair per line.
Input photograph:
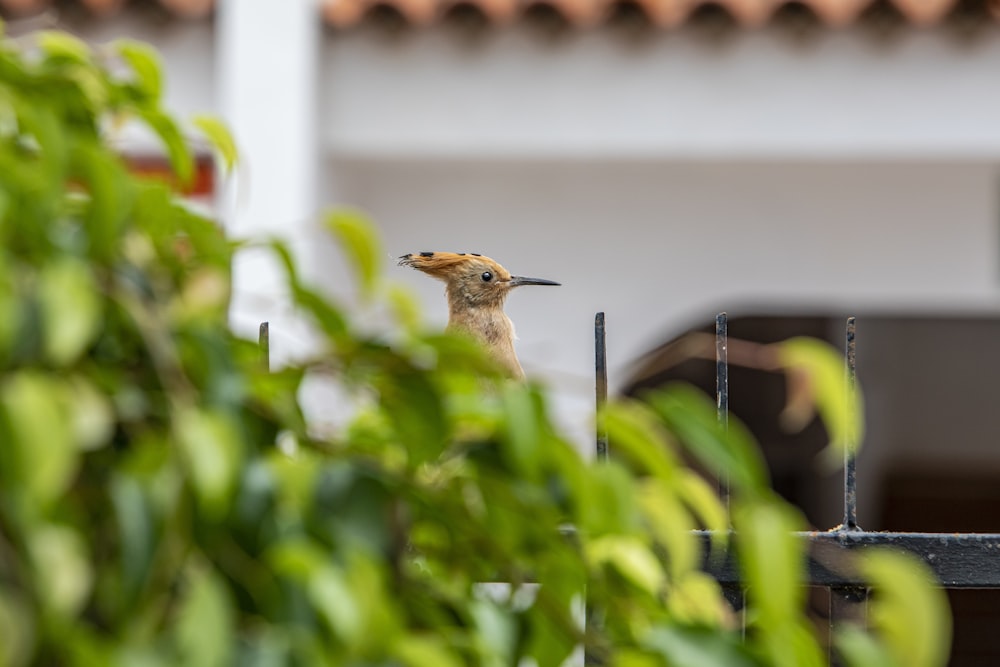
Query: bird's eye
[487,276]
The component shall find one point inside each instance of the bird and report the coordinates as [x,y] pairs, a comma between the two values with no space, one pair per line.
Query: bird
[476,288]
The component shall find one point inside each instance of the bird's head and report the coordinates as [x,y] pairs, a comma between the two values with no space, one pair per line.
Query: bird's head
[471,278]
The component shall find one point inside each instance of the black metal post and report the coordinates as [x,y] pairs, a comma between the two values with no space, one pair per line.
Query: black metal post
[850,471]
[849,604]
[734,590]
[601,387]
[264,341]
[722,387]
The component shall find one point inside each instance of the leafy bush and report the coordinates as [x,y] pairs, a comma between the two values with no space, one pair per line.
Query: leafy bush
[164,501]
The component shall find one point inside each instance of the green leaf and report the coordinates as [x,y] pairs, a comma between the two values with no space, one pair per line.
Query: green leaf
[729,453]
[205,628]
[405,307]
[136,527]
[145,64]
[704,501]
[17,631]
[93,414]
[412,404]
[609,502]
[426,651]
[110,196]
[41,437]
[822,378]
[71,309]
[637,436]
[359,239]
[330,592]
[696,647]
[62,45]
[696,599]
[671,525]
[522,440]
[860,649]
[631,557]
[909,610]
[772,559]
[218,134]
[213,453]
[62,564]
[176,145]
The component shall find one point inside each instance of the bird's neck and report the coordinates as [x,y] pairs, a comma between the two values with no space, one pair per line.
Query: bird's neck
[490,325]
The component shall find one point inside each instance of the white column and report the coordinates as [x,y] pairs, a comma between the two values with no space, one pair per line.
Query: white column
[268,55]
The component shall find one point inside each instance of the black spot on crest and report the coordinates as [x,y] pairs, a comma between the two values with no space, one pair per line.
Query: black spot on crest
[426,254]
[475,254]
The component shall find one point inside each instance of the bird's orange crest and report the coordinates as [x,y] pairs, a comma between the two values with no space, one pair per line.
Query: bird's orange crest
[450,265]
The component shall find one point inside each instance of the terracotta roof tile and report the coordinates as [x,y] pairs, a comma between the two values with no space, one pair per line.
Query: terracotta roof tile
[580,13]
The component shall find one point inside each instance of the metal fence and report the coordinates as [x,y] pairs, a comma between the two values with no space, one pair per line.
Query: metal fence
[958,560]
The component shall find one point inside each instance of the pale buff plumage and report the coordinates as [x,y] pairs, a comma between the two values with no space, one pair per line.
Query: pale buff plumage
[476,288]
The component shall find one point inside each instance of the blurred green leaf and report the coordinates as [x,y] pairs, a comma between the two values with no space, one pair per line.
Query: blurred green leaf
[412,405]
[63,45]
[703,501]
[174,142]
[697,599]
[696,647]
[772,559]
[817,370]
[609,502]
[110,196]
[145,64]
[404,307]
[218,134]
[16,630]
[672,525]
[523,439]
[427,651]
[358,237]
[908,609]
[62,568]
[728,452]
[205,630]
[71,309]
[137,532]
[93,414]
[860,649]
[41,437]
[213,453]
[631,558]
[11,312]
[638,437]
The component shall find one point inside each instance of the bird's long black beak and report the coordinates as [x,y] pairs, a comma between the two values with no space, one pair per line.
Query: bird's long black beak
[517,281]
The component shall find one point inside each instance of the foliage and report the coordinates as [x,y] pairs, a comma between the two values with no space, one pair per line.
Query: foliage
[163,500]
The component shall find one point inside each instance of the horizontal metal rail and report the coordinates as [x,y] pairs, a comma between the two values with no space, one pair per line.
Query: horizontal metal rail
[958,560]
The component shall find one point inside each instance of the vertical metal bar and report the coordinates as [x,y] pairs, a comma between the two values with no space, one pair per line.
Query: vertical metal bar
[734,592]
[850,471]
[849,604]
[601,387]
[594,619]
[722,387]
[264,341]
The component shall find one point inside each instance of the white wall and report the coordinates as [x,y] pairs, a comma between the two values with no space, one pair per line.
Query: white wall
[671,94]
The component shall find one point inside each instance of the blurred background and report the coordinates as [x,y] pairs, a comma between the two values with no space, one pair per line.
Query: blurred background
[789,162]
